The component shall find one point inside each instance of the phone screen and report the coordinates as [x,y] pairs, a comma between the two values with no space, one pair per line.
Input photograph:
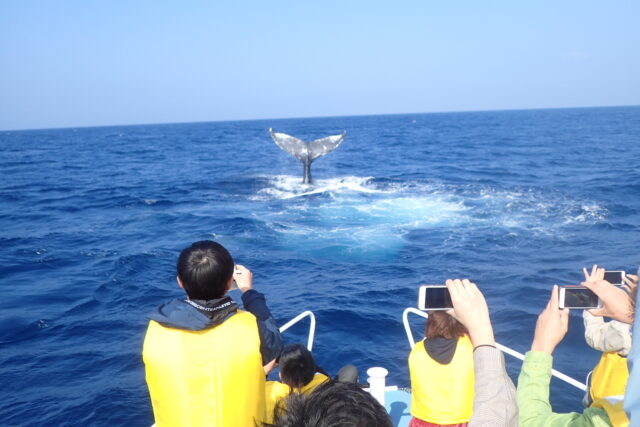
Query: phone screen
[613,277]
[579,297]
[437,298]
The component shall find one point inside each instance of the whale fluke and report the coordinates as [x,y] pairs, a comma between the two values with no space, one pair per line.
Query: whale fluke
[307,152]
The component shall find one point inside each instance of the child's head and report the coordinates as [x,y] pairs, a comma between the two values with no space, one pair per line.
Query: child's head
[297,366]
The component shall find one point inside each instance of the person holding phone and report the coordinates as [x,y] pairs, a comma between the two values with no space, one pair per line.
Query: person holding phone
[441,369]
[205,359]
[494,400]
[535,375]
[473,386]
[613,339]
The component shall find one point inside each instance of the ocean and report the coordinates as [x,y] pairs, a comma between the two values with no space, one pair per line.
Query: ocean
[92,221]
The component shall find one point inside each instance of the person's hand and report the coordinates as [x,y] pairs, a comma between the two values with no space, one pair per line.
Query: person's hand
[269,366]
[617,302]
[596,274]
[470,309]
[552,325]
[631,283]
[243,277]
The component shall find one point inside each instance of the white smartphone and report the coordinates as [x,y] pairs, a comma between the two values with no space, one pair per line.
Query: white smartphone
[434,297]
[614,277]
[578,297]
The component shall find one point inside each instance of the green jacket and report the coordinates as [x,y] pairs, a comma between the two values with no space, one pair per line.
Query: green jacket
[533,398]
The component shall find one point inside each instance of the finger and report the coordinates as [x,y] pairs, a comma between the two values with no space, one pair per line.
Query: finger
[600,274]
[564,318]
[600,312]
[593,270]
[453,290]
[474,288]
[468,290]
[553,302]
[548,306]
[586,273]
[633,282]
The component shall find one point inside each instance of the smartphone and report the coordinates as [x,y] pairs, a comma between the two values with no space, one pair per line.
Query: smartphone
[614,277]
[234,285]
[434,297]
[578,297]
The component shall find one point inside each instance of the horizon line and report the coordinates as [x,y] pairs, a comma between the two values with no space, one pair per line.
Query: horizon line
[315,117]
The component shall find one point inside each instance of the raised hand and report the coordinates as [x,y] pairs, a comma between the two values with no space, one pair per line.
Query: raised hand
[243,277]
[552,325]
[470,309]
[617,303]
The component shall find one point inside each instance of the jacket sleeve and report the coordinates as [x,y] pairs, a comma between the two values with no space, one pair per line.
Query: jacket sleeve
[270,340]
[494,402]
[606,336]
[533,398]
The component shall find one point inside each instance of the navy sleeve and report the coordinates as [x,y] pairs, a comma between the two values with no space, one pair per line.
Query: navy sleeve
[270,340]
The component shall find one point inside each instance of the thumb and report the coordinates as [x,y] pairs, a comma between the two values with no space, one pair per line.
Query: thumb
[598,312]
[564,319]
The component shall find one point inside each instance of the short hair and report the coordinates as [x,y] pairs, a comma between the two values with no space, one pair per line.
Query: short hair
[441,324]
[331,404]
[297,366]
[204,269]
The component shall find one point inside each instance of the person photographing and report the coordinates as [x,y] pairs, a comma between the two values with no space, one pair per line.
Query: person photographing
[205,359]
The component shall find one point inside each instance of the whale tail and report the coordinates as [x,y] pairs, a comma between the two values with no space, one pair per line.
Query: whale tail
[307,152]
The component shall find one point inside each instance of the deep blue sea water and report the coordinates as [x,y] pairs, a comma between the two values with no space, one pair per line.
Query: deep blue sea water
[92,220]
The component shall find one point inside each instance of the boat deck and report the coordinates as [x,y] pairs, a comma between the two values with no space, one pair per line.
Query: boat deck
[397,403]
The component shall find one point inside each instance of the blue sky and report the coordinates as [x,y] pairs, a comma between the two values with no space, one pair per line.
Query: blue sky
[83,63]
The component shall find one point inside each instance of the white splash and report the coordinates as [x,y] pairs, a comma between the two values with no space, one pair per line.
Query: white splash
[361,214]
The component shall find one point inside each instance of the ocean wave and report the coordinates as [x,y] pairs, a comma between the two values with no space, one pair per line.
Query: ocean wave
[416,203]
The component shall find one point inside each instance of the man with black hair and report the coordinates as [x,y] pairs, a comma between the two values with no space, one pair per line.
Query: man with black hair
[333,403]
[205,359]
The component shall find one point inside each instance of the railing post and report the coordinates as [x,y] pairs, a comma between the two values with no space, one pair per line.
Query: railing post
[312,326]
[377,379]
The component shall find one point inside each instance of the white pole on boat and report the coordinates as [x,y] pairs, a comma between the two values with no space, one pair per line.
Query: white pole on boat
[377,379]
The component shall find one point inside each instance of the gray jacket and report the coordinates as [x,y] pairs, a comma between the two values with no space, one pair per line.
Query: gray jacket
[494,402]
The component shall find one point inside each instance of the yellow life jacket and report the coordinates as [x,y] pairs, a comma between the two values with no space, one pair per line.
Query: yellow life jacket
[608,381]
[275,391]
[212,377]
[442,394]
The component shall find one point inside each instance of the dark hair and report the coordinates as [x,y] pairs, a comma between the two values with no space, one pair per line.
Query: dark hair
[331,404]
[297,366]
[441,324]
[204,269]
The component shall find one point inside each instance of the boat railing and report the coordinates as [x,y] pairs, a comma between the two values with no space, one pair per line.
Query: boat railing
[312,326]
[503,348]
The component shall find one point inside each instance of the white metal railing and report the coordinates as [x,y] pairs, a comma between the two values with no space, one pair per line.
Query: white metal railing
[504,349]
[312,326]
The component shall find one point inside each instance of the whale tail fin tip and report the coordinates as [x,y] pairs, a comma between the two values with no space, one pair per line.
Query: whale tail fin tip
[322,146]
[292,145]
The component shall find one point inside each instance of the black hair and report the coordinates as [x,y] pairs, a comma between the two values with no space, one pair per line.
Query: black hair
[331,404]
[204,269]
[297,366]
